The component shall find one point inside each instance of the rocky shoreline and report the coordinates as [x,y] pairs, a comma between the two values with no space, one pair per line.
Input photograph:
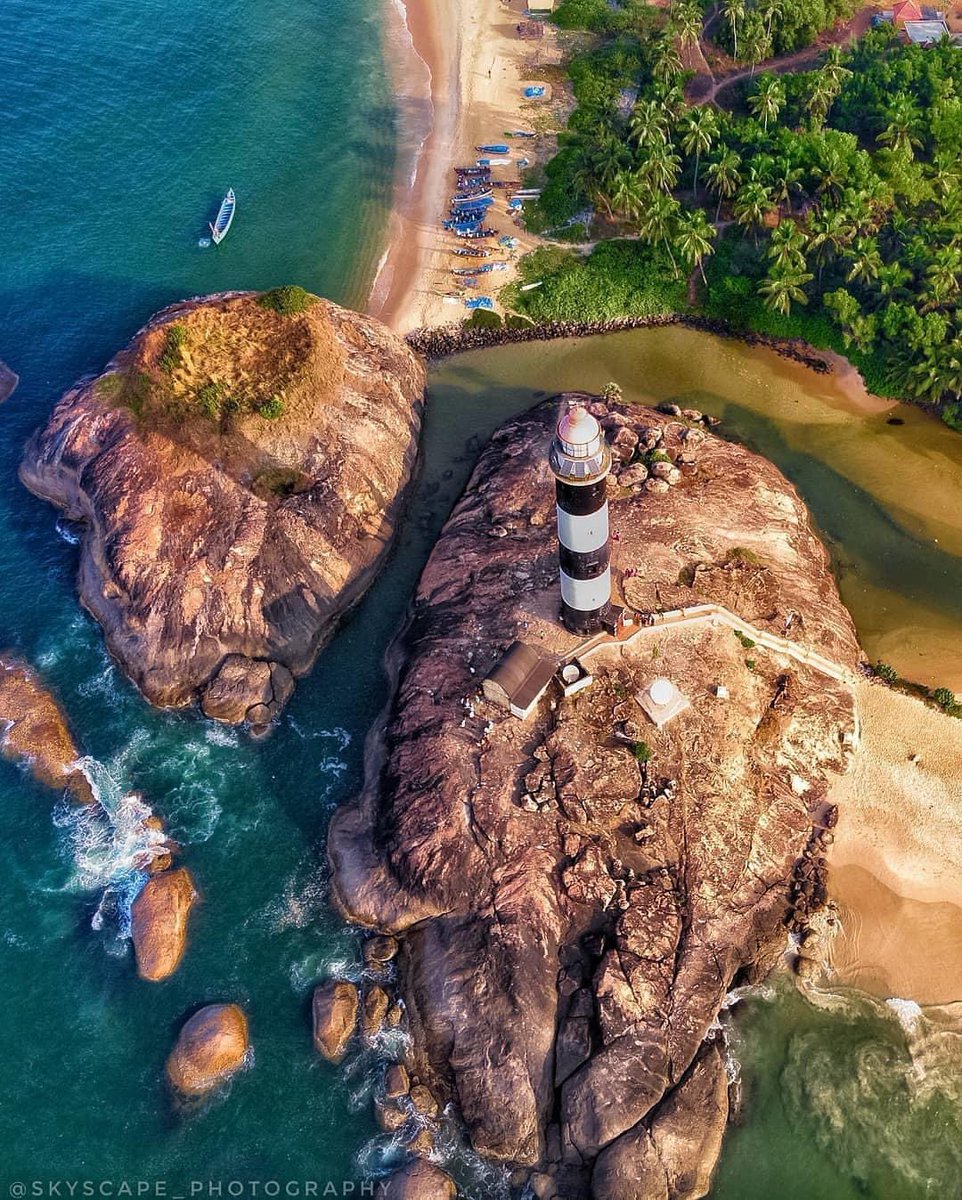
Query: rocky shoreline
[575,894]
[442,341]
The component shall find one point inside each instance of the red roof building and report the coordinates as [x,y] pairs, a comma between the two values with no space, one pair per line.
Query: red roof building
[905,10]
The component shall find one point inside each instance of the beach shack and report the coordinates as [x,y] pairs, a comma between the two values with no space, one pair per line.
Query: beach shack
[519,680]
[540,8]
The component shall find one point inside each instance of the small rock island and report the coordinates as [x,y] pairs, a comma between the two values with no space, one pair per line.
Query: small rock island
[583,855]
[238,471]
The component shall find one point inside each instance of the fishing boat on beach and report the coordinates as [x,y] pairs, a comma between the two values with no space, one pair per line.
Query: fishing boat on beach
[472,172]
[481,192]
[494,148]
[221,224]
[475,233]
[471,252]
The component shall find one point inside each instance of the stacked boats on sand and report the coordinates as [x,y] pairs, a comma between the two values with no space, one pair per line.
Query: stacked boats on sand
[471,210]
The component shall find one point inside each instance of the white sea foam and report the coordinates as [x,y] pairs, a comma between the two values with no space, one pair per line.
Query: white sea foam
[908,1012]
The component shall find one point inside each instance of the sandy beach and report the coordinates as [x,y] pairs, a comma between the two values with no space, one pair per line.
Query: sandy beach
[896,865]
[459,69]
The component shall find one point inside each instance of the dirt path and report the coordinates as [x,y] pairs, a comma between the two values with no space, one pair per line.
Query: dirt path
[801,59]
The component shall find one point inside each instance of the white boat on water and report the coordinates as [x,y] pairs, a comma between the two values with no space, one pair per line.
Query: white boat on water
[222,222]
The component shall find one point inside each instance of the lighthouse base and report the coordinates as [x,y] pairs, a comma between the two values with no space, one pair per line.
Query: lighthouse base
[583,620]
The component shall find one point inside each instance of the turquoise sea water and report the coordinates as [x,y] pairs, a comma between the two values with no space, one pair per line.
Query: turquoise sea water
[121,125]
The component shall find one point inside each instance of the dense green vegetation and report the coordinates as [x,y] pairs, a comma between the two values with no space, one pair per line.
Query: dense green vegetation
[287,300]
[825,204]
[754,32]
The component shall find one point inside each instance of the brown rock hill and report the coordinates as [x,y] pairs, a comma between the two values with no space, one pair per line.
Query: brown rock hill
[563,967]
[239,472]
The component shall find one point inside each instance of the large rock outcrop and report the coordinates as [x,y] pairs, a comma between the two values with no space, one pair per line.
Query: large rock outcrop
[579,891]
[211,1048]
[238,471]
[159,922]
[35,731]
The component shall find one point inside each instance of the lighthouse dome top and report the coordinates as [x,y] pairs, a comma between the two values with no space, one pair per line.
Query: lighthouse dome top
[579,452]
[579,431]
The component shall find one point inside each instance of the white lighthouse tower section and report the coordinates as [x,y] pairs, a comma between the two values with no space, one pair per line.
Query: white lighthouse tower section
[580,461]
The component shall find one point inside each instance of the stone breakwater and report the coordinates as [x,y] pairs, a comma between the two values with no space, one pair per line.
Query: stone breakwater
[445,340]
[575,894]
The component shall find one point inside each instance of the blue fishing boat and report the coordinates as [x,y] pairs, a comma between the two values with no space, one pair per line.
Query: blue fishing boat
[472,201]
[497,148]
[221,224]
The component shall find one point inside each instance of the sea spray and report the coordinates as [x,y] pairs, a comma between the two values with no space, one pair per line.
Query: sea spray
[111,845]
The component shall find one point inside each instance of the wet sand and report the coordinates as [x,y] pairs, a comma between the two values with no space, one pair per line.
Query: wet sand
[896,865]
[458,73]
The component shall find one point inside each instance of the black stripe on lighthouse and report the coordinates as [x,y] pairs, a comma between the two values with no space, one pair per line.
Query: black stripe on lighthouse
[584,554]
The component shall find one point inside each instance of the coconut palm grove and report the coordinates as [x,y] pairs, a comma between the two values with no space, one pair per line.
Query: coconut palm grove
[805,184]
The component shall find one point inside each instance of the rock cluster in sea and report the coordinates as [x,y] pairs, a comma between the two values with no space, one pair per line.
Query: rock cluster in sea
[564,961]
[238,473]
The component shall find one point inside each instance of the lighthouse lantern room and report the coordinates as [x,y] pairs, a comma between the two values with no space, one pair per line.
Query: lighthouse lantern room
[580,461]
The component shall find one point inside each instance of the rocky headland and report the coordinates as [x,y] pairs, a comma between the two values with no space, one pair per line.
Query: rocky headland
[238,471]
[576,893]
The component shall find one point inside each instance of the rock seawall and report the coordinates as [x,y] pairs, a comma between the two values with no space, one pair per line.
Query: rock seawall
[578,892]
[238,472]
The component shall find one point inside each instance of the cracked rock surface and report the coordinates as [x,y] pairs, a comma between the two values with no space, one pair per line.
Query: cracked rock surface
[573,915]
[220,545]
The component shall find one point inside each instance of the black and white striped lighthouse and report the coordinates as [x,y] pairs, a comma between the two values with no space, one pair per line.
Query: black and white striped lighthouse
[580,461]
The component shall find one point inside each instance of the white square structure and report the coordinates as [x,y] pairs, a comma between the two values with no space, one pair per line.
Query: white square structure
[661,701]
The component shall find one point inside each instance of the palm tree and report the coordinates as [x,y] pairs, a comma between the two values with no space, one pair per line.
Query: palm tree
[769,9]
[735,14]
[828,235]
[693,238]
[698,135]
[942,277]
[648,123]
[783,288]
[628,194]
[752,204]
[833,69]
[903,116]
[686,22]
[786,179]
[786,248]
[866,261]
[660,169]
[658,220]
[724,177]
[768,99]
[668,65]
[820,99]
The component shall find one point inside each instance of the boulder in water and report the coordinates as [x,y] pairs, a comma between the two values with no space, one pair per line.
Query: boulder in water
[212,1047]
[36,731]
[159,925]
[419,1180]
[335,1008]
